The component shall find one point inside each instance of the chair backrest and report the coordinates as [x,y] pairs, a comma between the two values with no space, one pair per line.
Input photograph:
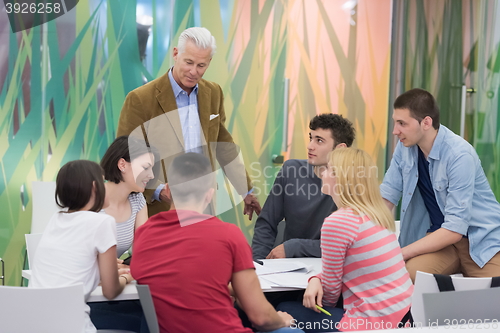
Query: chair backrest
[426,283]
[459,308]
[55,310]
[32,241]
[148,308]
[398,228]
[44,205]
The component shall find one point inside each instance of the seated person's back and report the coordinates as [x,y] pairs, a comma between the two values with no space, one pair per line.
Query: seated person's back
[188,269]
[188,259]
[79,244]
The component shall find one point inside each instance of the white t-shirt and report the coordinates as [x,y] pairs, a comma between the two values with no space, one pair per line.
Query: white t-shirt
[67,253]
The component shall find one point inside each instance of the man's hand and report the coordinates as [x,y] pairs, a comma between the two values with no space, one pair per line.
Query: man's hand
[277,253]
[406,254]
[251,205]
[163,195]
[432,242]
[286,317]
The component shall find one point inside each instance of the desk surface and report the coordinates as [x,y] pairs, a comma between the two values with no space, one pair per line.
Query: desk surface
[130,291]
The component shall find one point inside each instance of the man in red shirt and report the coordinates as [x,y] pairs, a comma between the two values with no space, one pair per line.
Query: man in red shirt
[188,260]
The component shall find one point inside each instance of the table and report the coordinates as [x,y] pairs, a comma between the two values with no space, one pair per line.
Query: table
[130,291]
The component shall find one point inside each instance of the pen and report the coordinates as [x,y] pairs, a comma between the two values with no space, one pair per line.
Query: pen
[323,310]
[260,262]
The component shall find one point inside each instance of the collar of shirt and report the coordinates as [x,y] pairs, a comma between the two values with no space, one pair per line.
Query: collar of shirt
[438,142]
[176,87]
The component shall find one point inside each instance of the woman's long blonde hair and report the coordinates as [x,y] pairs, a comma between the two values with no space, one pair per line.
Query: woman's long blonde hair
[357,185]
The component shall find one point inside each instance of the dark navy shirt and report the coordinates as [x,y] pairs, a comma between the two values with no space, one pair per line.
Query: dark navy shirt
[427,192]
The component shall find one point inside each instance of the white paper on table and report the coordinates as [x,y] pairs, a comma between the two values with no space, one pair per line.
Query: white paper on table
[278,266]
[265,284]
[290,279]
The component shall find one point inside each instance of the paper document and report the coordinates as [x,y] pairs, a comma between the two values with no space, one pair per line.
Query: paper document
[278,266]
[295,279]
[265,284]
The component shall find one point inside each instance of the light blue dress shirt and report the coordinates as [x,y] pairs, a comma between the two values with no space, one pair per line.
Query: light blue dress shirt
[187,106]
[462,192]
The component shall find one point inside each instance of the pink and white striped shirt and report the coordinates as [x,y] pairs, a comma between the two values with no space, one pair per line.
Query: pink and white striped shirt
[364,261]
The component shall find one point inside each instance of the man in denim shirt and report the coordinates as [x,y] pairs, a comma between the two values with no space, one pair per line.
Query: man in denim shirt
[450,219]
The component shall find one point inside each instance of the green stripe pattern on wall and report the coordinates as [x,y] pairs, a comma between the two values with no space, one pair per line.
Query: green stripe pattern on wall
[63,84]
[450,43]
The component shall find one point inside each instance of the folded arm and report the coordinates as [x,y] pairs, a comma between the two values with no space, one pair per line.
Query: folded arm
[433,242]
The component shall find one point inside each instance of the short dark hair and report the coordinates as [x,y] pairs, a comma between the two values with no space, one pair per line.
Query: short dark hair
[75,183]
[184,176]
[341,128]
[128,148]
[420,103]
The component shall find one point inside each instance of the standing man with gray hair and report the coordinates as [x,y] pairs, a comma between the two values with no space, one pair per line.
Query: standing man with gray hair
[181,112]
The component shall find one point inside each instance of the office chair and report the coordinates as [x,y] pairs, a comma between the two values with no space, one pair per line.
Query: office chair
[54,310]
[426,283]
[148,308]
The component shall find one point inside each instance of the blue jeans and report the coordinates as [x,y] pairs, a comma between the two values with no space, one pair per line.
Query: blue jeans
[118,315]
[311,321]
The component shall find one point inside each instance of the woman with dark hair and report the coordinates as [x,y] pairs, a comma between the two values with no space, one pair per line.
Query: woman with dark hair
[128,167]
[79,244]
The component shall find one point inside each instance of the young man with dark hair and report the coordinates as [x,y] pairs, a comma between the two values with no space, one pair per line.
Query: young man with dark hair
[450,219]
[188,260]
[296,195]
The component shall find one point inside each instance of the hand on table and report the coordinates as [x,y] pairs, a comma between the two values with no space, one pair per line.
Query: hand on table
[277,253]
[313,294]
[122,268]
[251,205]
[128,276]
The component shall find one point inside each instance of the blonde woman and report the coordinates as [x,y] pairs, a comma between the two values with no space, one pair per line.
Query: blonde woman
[361,257]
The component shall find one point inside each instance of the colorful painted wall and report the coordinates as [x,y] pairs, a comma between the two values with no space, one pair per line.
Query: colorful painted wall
[62,85]
[447,44]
